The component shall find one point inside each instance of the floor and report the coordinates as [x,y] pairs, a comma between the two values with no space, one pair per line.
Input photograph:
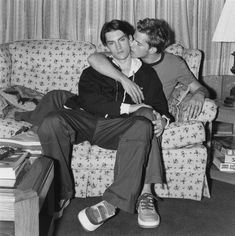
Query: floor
[179,217]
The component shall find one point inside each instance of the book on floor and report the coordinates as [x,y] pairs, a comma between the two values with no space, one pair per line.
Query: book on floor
[227,158]
[225,144]
[218,161]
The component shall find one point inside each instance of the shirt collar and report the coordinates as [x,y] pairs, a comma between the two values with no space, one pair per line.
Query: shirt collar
[135,65]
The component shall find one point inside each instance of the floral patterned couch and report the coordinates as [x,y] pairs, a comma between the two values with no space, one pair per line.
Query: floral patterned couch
[43,65]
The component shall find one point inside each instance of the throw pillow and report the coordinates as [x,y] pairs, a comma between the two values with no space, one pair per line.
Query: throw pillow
[4,107]
[21,97]
[178,94]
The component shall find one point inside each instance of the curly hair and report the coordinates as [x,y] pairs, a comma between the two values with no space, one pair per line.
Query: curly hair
[157,30]
[113,25]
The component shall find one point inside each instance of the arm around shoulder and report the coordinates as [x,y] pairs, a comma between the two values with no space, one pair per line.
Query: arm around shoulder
[101,63]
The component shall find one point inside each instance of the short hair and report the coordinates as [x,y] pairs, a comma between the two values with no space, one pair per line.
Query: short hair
[157,30]
[114,25]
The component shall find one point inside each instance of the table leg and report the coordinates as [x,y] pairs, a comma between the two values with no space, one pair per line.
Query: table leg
[27,217]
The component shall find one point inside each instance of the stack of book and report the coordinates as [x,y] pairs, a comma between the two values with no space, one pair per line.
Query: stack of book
[224,153]
[14,163]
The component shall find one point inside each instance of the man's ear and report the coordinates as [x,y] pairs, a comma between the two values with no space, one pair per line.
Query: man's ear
[152,50]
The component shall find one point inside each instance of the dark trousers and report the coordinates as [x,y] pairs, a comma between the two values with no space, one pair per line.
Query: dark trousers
[138,154]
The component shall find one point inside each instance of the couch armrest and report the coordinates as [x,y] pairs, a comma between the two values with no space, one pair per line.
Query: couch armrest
[182,134]
[207,114]
[5,66]
[209,111]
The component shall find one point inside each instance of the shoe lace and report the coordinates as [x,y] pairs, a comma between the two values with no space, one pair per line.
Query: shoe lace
[146,201]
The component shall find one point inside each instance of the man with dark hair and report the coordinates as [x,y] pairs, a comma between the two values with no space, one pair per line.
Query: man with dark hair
[105,115]
[149,42]
[126,131]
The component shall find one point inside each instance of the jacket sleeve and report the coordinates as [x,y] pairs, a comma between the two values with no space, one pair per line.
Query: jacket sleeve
[155,96]
[91,96]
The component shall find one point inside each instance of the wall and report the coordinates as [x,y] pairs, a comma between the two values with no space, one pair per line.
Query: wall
[219,86]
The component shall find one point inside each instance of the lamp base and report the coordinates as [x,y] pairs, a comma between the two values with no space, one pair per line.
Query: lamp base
[230,101]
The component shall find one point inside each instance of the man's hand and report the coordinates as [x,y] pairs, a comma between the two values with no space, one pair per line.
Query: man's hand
[133,90]
[135,107]
[159,124]
[192,106]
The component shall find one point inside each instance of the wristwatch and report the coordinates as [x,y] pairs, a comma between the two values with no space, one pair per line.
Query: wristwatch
[167,120]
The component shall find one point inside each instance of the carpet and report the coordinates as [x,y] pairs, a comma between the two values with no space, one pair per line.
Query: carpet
[179,217]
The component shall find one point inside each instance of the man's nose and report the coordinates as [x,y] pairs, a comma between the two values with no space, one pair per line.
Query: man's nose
[118,46]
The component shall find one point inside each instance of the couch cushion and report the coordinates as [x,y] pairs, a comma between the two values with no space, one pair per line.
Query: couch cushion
[92,167]
[9,126]
[82,152]
[49,64]
[98,181]
[106,162]
[181,134]
[185,173]
[92,157]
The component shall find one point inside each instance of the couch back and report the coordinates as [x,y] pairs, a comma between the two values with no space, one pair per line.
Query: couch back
[49,64]
[192,57]
[44,65]
[5,65]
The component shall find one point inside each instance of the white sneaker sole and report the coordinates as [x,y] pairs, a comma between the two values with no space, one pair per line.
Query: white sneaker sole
[148,225]
[85,222]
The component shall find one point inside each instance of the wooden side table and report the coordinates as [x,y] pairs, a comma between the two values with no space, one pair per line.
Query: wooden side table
[30,195]
[227,115]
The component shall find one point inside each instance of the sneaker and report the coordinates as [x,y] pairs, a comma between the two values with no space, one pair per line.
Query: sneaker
[60,208]
[25,139]
[93,217]
[147,214]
